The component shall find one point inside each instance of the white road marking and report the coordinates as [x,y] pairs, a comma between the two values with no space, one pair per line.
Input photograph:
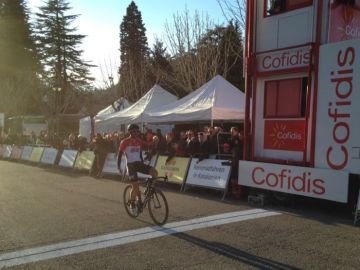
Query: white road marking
[126,237]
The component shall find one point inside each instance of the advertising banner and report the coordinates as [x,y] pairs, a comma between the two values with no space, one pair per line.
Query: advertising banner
[285,135]
[49,156]
[7,151]
[344,21]
[208,173]
[26,153]
[110,166]
[85,160]
[338,109]
[16,152]
[175,169]
[68,158]
[311,182]
[36,154]
[282,60]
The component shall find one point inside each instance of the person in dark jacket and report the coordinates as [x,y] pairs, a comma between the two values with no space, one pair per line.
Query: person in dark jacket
[204,146]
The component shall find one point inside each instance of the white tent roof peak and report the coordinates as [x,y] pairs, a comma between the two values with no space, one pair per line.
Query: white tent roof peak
[215,100]
[118,105]
[154,98]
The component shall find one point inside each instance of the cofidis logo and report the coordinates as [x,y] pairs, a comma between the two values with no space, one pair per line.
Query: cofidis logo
[285,135]
[283,59]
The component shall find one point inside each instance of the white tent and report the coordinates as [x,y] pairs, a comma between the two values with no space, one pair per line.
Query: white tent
[216,100]
[118,105]
[154,98]
[85,127]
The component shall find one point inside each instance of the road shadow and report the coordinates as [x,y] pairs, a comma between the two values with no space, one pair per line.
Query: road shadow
[234,253]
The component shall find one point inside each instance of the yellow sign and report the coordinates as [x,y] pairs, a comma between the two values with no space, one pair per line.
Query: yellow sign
[175,169]
[85,160]
[36,154]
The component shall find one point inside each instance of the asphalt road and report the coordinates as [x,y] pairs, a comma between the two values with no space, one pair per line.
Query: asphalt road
[41,206]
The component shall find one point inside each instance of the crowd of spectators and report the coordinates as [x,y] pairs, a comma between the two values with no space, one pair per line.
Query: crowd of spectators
[211,142]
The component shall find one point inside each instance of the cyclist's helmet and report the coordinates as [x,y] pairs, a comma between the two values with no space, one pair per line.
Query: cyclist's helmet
[133,127]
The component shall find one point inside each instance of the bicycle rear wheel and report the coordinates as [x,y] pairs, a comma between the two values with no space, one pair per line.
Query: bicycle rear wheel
[127,202]
[158,207]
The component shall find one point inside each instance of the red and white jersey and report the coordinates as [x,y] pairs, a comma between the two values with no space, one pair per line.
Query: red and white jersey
[132,148]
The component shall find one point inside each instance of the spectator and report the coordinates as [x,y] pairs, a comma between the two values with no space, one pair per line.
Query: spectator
[81,143]
[72,141]
[204,146]
[212,139]
[181,150]
[192,143]
[100,151]
[158,147]
[33,138]
[236,148]
[149,135]
[159,135]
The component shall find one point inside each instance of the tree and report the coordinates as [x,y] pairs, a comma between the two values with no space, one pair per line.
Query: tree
[134,54]
[64,70]
[234,11]
[191,66]
[201,50]
[227,44]
[162,72]
[19,65]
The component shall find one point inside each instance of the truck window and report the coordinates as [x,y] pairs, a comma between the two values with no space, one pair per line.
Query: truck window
[274,7]
[285,98]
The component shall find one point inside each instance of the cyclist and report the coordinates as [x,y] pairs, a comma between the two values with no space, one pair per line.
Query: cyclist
[132,148]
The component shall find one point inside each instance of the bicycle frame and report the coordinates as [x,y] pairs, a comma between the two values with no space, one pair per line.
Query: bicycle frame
[149,190]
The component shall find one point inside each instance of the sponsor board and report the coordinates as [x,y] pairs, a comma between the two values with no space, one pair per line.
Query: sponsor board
[85,160]
[285,135]
[7,151]
[344,21]
[338,123]
[16,152]
[282,60]
[175,169]
[110,165]
[36,154]
[208,173]
[26,153]
[68,158]
[311,182]
[49,156]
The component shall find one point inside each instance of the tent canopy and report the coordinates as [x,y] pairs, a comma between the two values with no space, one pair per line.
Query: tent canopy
[216,100]
[118,105]
[85,127]
[154,98]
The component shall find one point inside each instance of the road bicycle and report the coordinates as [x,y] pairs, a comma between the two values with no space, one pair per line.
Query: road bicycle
[152,198]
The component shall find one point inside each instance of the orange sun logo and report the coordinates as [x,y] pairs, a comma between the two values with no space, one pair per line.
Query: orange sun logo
[276,142]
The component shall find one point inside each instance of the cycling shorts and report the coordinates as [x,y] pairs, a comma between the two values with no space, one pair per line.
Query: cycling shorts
[135,167]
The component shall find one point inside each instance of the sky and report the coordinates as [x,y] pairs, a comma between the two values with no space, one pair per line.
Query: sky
[100,20]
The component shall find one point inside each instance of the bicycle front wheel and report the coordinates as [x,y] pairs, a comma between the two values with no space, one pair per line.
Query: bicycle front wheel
[158,207]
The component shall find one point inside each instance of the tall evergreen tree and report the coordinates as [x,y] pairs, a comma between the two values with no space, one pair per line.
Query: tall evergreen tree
[228,43]
[18,60]
[134,54]
[60,53]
